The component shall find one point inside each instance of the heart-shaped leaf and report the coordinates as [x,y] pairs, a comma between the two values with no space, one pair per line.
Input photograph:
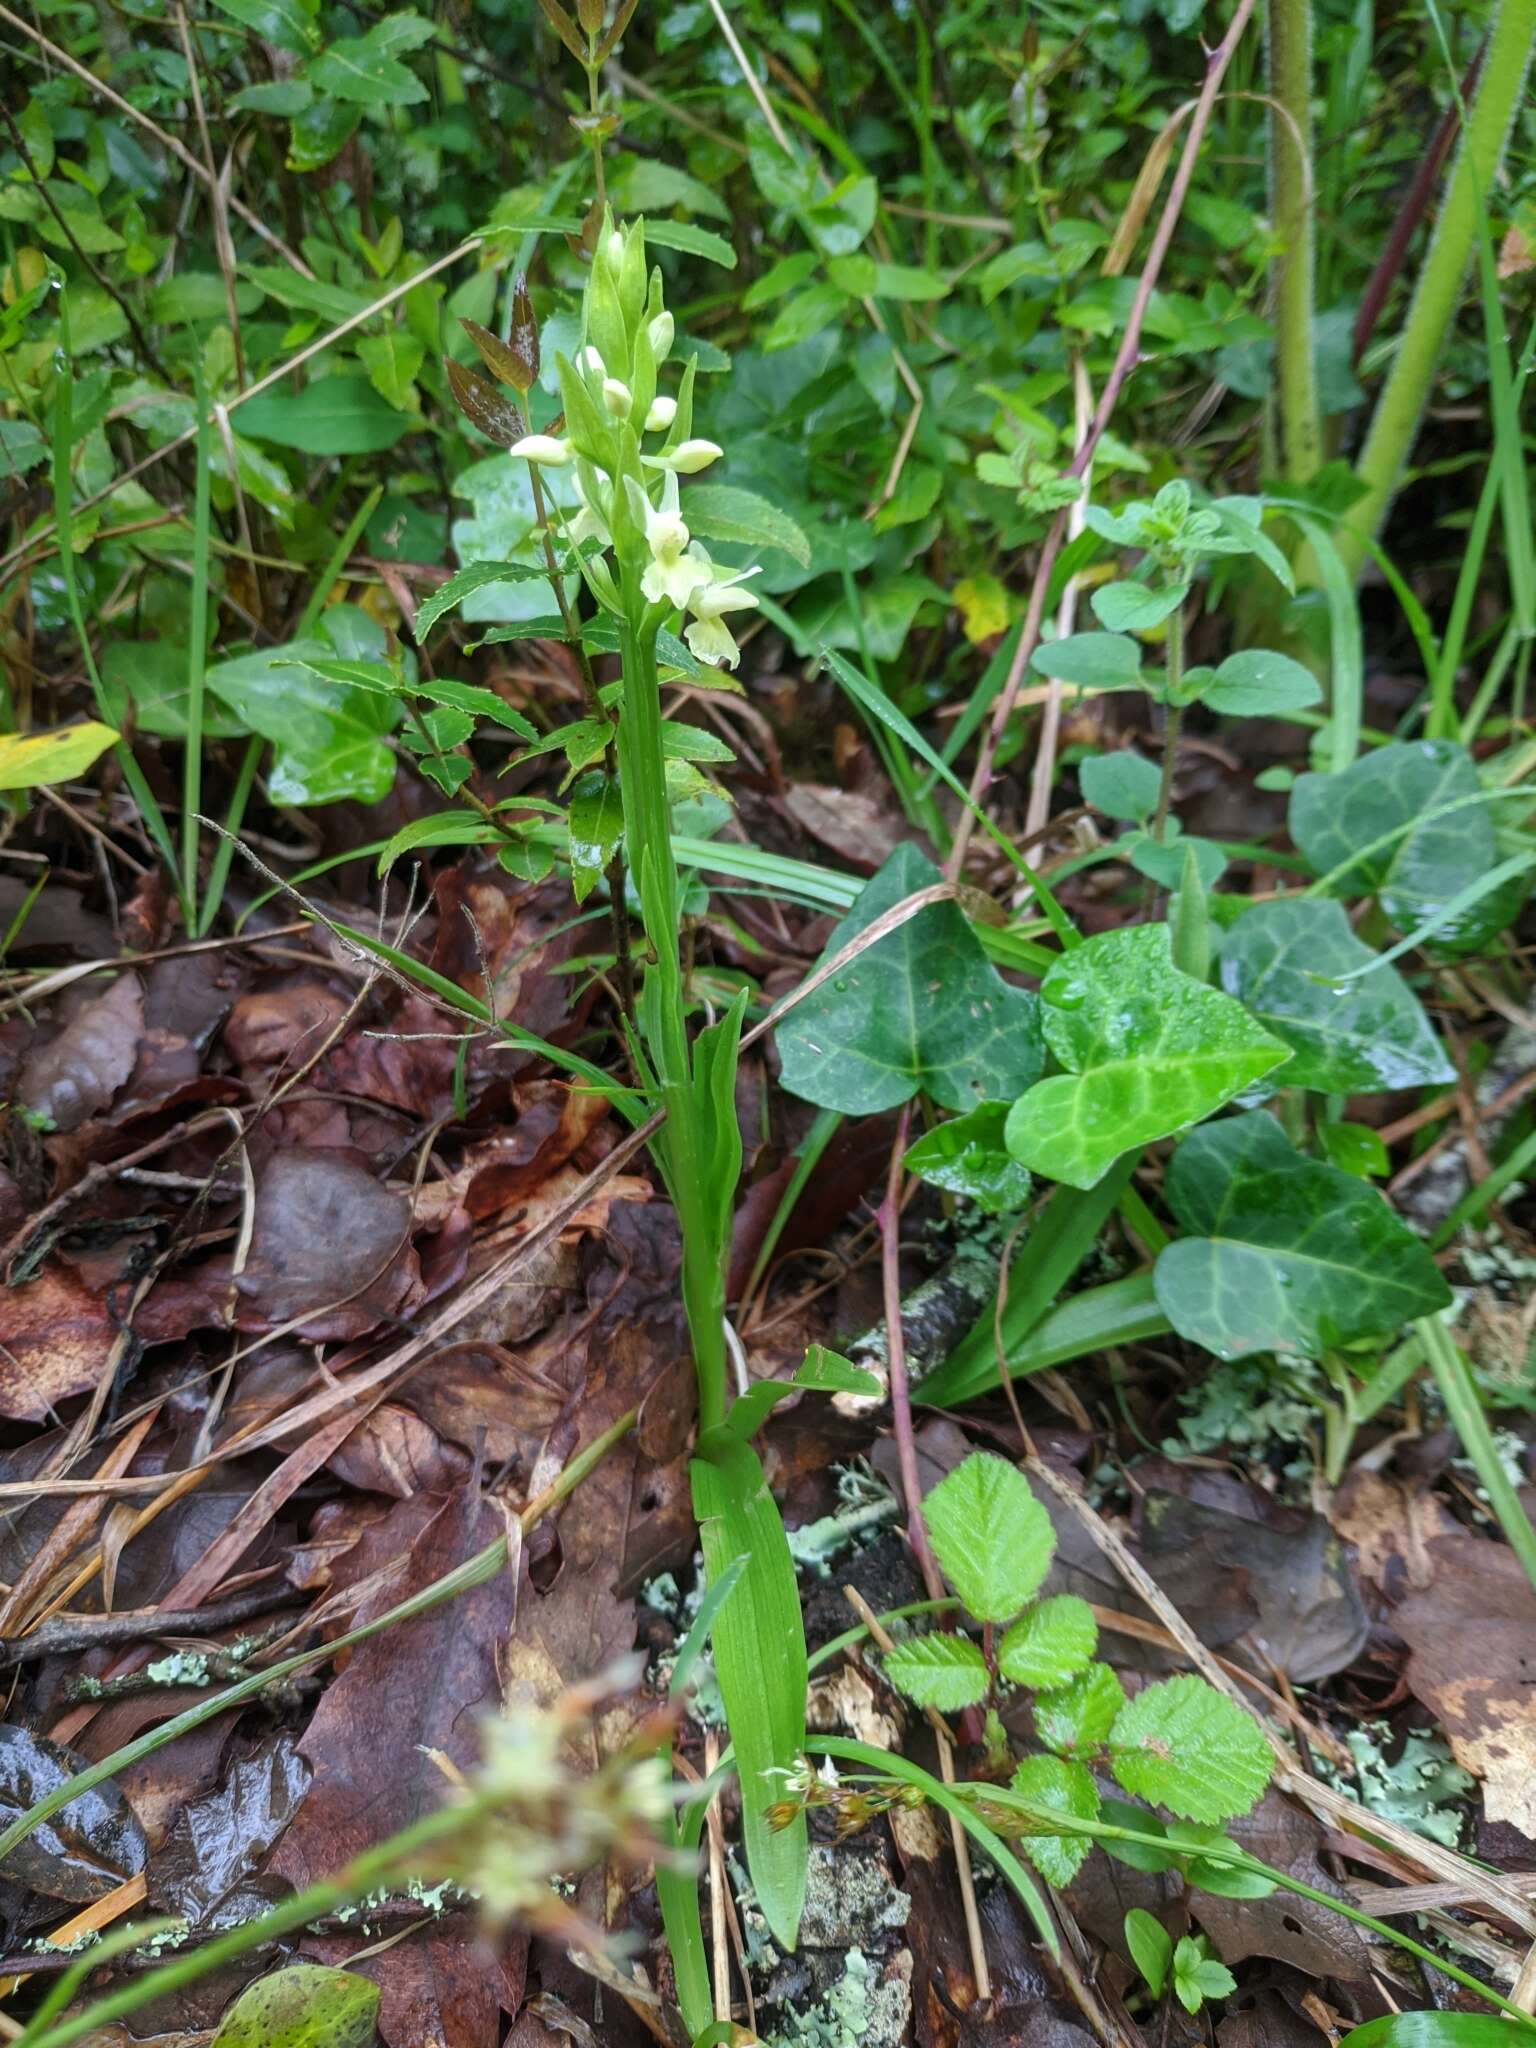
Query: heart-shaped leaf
[1288,960]
[1285,1253]
[921,1011]
[1409,823]
[967,1156]
[1148,1050]
[304,2006]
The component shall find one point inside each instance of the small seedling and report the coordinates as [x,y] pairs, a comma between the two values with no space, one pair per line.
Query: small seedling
[1188,1966]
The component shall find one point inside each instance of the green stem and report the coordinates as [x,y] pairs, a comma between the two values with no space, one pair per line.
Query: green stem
[1289,34]
[1173,719]
[1394,423]
[1458,1391]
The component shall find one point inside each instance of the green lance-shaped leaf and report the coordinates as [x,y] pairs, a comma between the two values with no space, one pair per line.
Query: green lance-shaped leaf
[1151,1948]
[1296,964]
[1285,1253]
[1148,1050]
[1068,1790]
[1408,823]
[760,1663]
[1050,1643]
[921,1011]
[991,1536]
[1183,1745]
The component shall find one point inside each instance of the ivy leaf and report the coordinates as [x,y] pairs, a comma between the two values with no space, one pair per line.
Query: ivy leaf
[967,1156]
[1189,1748]
[1296,964]
[1068,1790]
[1392,795]
[1151,1948]
[1285,1253]
[992,1537]
[1050,1643]
[1076,1718]
[1148,1051]
[920,1011]
[943,1671]
[1105,661]
[304,2006]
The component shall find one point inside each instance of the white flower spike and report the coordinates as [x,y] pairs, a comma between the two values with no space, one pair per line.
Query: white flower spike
[543,448]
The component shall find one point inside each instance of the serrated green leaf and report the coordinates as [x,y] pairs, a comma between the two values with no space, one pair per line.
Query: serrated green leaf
[943,1671]
[967,1156]
[596,821]
[463,582]
[1151,1948]
[691,240]
[303,2006]
[1050,1643]
[920,1011]
[1407,823]
[1295,963]
[724,512]
[1075,1719]
[1149,1051]
[1183,1745]
[1284,1253]
[991,1536]
[1104,661]
[1062,1788]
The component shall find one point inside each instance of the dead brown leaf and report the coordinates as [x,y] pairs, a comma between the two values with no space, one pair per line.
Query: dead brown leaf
[77,1073]
[330,1246]
[55,1336]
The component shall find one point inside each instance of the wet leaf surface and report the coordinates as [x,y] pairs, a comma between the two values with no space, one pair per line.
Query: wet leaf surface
[89,1847]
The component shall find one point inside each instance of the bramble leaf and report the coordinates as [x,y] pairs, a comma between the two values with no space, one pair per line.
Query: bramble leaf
[1068,1790]
[1050,1643]
[992,1537]
[1189,1748]
[943,1671]
[1077,1717]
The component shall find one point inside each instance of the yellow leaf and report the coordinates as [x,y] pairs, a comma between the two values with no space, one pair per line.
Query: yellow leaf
[982,603]
[30,758]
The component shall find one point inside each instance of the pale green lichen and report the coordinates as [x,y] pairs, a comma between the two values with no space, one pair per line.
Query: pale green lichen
[1420,1788]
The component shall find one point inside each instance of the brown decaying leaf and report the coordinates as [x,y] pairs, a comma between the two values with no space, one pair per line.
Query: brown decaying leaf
[55,1337]
[77,1073]
[1471,1633]
[330,1246]
[89,1846]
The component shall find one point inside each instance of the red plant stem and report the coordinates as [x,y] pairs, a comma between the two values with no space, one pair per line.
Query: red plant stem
[896,1362]
[1216,64]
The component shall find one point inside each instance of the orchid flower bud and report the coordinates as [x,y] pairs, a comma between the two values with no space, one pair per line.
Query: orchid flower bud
[661,331]
[543,448]
[617,398]
[661,415]
[687,458]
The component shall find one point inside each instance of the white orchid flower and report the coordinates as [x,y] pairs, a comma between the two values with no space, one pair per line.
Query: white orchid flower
[544,448]
[711,640]
[591,522]
[661,415]
[687,458]
[675,572]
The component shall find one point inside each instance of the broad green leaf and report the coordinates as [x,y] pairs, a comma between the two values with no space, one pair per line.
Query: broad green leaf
[328,737]
[1151,1948]
[1129,607]
[1183,1745]
[1284,1253]
[722,512]
[333,416]
[920,1011]
[304,295]
[286,24]
[1407,823]
[22,447]
[28,760]
[693,241]
[305,2005]
[967,1156]
[1062,1788]
[1149,1052]
[1076,1718]
[1120,1813]
[1356,1149]
[937,1670]
[365,70]
[822,1371]
[1430,2030]
[1162,860]
[147,679]
[1121,785]
[463,582]
[1105,661]
[1290,961]
[1258,684]
[596,822]
[392,360]
[1050,1643]
[760,1663]
[991,1536]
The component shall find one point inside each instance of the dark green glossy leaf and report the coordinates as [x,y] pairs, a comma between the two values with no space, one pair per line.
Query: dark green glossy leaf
[1407,823]
[920,1011]
[1285,1253]
[1149,1051]
[1434,2030]
[1288,961]
[327,737]
[967,1156]
[596,827]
